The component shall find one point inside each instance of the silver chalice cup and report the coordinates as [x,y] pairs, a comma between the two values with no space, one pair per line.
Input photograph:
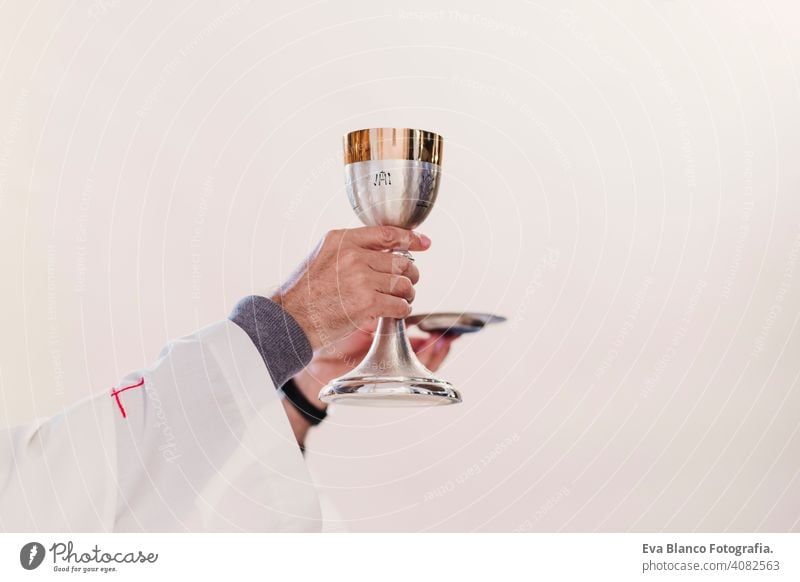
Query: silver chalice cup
[392,178]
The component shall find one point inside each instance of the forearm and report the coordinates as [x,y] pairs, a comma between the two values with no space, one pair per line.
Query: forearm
[280,340]
[286,351]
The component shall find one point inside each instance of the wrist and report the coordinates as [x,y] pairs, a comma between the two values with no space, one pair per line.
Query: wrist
[300,316]
[278,337]
[309,386]
[311,409]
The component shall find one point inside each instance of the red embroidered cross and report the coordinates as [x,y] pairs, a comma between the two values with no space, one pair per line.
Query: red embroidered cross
[116,393]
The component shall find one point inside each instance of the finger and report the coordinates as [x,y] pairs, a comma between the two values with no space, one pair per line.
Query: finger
[441,349]
[369,327]
[435,355]
[383,262]
[387,238]
[361,334]
[390,306]
[421,344]
[397,285]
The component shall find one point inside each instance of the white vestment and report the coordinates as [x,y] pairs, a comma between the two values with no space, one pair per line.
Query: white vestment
[202,444]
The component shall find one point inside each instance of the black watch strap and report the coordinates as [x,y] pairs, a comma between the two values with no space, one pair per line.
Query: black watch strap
[310,412]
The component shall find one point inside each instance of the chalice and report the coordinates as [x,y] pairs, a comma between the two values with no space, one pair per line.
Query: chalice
[392,178]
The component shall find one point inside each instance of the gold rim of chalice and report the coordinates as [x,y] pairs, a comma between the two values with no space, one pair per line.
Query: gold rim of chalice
[393,143]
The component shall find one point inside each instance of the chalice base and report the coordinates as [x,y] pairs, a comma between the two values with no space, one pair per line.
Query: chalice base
[389,391]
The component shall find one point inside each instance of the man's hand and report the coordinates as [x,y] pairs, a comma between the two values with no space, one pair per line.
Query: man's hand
[349,281]
[342,356]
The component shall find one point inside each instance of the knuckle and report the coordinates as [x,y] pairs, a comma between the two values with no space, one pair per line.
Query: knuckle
[404,285]
[331,237]
[349,257]
[389,307]
[381,307]
[386,235]
[398,265]
[364,280]
[357,285]
[371,301]
[393,307]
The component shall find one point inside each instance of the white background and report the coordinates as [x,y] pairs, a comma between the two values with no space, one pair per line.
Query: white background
[621,181]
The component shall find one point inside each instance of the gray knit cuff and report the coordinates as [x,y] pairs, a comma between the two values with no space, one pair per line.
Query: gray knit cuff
[279,339]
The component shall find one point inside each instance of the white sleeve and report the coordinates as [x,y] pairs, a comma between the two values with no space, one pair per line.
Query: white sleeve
[197,442]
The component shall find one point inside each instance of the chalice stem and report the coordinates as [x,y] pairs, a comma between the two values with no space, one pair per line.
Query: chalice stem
[391,349]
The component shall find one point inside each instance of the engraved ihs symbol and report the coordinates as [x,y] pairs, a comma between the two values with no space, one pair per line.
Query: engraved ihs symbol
[382,178]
